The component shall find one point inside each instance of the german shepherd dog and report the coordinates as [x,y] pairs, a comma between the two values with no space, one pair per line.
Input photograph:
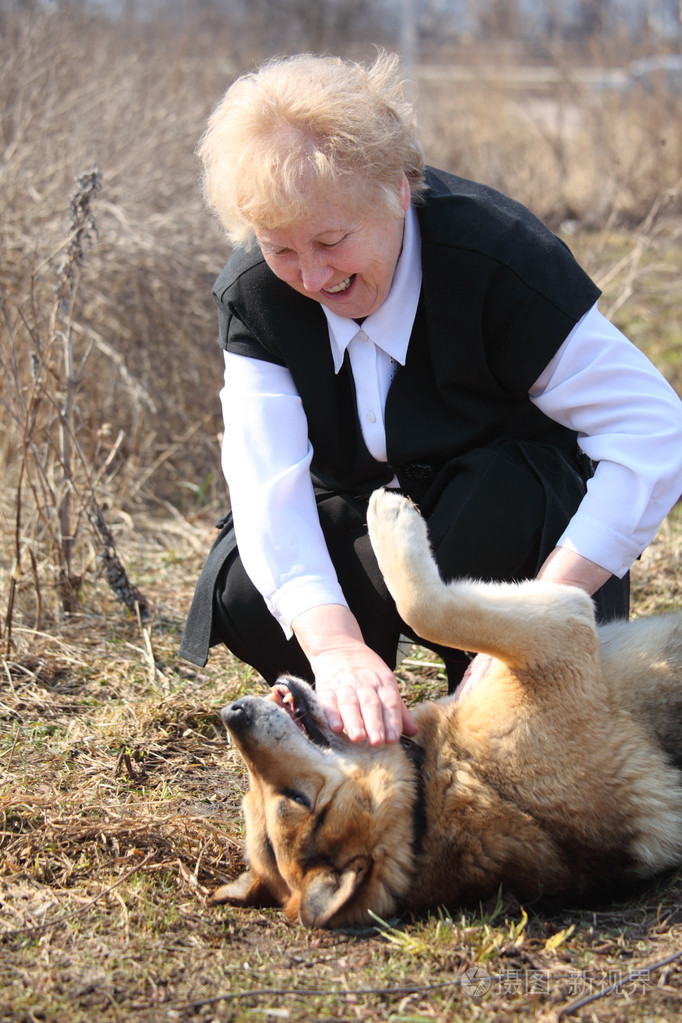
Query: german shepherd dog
[557,775]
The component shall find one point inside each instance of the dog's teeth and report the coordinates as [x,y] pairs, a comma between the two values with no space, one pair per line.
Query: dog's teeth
[285,699]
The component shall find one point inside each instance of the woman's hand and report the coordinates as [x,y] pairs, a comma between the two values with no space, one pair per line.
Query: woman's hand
[357,690]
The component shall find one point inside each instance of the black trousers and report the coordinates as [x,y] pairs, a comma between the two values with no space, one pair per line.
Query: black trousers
[495,517]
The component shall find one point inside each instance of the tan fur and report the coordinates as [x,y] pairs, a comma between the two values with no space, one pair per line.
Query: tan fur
[557,774]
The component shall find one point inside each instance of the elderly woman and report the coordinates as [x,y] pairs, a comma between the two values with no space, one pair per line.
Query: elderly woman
[387,324]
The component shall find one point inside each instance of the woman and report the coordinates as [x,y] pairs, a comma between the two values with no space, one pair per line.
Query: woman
[398,326]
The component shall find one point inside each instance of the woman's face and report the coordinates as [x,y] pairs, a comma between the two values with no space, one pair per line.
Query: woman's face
[341,258]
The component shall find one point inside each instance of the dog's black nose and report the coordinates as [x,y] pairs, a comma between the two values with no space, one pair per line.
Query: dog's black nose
[236,715]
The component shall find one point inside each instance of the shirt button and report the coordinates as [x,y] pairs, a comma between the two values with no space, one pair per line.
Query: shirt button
[370,417]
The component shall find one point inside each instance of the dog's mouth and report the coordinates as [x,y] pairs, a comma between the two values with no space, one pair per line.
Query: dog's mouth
[297,700]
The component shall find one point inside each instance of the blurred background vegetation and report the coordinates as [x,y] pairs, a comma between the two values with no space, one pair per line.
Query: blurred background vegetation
[109,370]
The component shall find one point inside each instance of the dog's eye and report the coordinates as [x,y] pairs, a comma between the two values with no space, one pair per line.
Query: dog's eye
[297,797]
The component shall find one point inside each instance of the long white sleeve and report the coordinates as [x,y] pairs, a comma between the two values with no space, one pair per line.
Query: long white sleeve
[629,420]
[266,459]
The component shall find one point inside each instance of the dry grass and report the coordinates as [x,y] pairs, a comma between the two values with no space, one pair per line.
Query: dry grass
[571,154]
[119,798]
[77,93]
[119,812]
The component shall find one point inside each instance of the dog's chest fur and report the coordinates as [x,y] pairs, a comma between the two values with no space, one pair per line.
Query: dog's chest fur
[476,836]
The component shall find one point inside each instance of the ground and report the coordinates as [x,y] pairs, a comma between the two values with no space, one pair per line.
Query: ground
[121,812]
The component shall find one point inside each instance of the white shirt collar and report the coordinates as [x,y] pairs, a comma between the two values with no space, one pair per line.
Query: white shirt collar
[390,326]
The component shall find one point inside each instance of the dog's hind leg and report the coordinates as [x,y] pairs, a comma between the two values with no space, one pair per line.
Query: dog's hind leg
[515,623]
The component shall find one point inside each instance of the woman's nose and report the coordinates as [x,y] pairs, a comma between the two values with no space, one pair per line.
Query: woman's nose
[315,272]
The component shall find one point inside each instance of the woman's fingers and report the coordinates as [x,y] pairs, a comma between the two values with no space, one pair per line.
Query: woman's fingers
[358,691]
[365,706]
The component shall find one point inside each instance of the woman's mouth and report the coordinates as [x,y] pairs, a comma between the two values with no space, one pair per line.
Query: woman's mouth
[342,286]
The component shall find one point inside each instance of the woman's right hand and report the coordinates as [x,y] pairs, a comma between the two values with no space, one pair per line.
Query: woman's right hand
[357,690]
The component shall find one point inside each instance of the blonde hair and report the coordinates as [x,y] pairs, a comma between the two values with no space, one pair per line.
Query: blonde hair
[309,122]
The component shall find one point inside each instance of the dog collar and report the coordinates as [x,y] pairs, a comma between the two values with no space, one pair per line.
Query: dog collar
[415,754]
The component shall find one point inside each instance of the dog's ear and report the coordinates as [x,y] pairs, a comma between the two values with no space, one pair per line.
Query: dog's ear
[326,891]
[247,890]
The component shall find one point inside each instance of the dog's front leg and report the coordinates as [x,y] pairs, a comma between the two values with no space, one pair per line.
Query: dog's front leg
[520,624]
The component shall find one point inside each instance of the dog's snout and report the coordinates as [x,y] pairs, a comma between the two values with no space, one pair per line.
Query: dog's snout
[236,715]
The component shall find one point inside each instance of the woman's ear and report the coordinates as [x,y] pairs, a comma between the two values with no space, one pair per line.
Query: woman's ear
[405,193]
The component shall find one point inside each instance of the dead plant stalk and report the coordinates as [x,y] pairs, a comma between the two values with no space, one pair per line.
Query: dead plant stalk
[53,468]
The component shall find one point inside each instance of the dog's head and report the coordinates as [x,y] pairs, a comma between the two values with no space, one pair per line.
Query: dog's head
[328,822]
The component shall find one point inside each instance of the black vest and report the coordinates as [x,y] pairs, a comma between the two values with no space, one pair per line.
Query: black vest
[500,294]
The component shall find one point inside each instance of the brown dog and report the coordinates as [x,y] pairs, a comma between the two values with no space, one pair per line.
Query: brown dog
[559,773]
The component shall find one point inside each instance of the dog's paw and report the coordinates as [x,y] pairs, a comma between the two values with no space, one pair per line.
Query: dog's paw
[398,534]
[386,504]
[400,540]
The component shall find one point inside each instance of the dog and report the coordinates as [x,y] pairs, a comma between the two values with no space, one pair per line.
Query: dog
[557,775]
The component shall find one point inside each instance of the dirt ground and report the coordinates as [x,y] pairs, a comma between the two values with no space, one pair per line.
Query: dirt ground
[120,812]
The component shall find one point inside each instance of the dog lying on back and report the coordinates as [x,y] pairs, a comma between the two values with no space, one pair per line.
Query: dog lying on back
[557,775]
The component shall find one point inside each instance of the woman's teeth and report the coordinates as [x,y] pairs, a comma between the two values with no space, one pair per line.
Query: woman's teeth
[343,286]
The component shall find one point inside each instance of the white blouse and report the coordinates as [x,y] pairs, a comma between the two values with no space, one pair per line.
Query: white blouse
[632,430]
